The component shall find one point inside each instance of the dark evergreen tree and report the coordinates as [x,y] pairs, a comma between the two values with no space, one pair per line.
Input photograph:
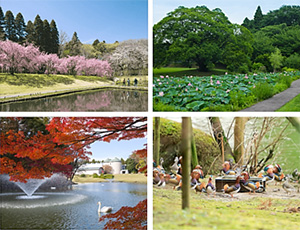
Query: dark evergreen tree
[2,26]
[258,17]
[30,35]
[73,47]
[20,28]
[10,27]
[95,43]
[38,31]
[54,38]
[247,23]
[46,37]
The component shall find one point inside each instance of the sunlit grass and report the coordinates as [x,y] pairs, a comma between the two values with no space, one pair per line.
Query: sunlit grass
[216,214]
[293,105]
[128,178]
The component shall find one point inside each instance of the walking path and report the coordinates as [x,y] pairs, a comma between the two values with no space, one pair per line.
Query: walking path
[277,101]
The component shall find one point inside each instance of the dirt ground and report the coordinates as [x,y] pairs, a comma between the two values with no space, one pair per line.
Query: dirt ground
[272,191]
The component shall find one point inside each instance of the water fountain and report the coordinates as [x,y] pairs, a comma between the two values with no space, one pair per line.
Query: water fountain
[30,186]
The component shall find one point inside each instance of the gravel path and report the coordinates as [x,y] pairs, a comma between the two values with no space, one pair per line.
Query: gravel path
[277,101]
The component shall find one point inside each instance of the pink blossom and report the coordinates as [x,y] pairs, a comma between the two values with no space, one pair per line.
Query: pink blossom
[246,77]
[161,94]
[161,76]
[218,82]
[158,80]
[249,82]
[186,90]
[228,90]
[189,84]
[236,77]
[167,76]
[159,83]
[254,86]
[226,73]
[197,89]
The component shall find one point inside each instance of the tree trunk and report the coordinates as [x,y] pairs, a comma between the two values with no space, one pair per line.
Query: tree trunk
[239,130]
[295,121]
[156,147]
[193,148]
[218,135]
[186,161]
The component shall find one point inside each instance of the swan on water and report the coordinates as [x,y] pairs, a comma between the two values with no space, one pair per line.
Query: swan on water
[104,209]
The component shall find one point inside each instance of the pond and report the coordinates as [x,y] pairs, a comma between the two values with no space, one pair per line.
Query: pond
[74,209]
[110,100]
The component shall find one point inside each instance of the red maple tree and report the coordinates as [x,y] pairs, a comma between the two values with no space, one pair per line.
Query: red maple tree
[128,217]
[65,139]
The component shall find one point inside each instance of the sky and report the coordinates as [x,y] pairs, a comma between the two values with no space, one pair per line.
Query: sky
[235,10]
[109,20]
[120,149]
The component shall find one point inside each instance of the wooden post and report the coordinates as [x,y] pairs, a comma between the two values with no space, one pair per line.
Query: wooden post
[186,161]
[156,143]
[222,143]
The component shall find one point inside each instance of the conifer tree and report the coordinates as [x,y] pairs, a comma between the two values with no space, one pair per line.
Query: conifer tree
[38,31]
[258,16]
[2,25]
[54,38]
[10,27]
[73,47]
[30,35]
[20,28]
[46,37]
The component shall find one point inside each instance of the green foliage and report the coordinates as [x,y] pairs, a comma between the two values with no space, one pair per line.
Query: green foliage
[10,27]
[20,28]
[293,61]
[198,35]
[263,91]
[95,175]
[276,59]
[82,175]
[106,176]
[131,165]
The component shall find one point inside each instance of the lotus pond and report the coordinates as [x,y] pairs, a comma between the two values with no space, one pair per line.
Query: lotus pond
[229,92]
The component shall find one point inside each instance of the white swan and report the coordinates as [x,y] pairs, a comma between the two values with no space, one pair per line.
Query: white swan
[104,209]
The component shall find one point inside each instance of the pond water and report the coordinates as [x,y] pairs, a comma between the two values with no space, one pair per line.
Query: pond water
[74,209]
[110,100]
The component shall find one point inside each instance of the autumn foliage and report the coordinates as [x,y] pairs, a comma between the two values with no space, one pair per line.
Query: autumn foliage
[24,154]
[128,217]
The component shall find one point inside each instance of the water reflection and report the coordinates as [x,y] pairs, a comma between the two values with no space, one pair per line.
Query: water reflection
[104,100]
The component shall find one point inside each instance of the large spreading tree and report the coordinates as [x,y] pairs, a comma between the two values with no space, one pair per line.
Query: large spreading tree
[188,36]
[39,147]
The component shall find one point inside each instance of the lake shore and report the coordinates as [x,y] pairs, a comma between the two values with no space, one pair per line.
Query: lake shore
[21,87]
[127,178]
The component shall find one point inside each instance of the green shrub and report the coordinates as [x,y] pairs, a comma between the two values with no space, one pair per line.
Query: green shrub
[263,91]
[243,68]
[279,87]
[82,175]
[286,69]
[106,176]
[95,175]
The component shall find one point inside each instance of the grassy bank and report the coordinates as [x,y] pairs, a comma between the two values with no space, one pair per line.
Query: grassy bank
[182,72]
[128,178]
[293,105]
[210,213]
[30,85]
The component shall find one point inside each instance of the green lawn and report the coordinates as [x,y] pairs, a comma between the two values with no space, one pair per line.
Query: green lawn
[181,72]
[254,213]
[293,105]
[26,84]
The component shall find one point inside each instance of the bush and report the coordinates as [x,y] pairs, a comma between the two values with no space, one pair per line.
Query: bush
[106,176]
[286,69]
[279,87]
[95,175]
[159,106]
[263,91]
[243,68]
[238,100]
[82,175]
